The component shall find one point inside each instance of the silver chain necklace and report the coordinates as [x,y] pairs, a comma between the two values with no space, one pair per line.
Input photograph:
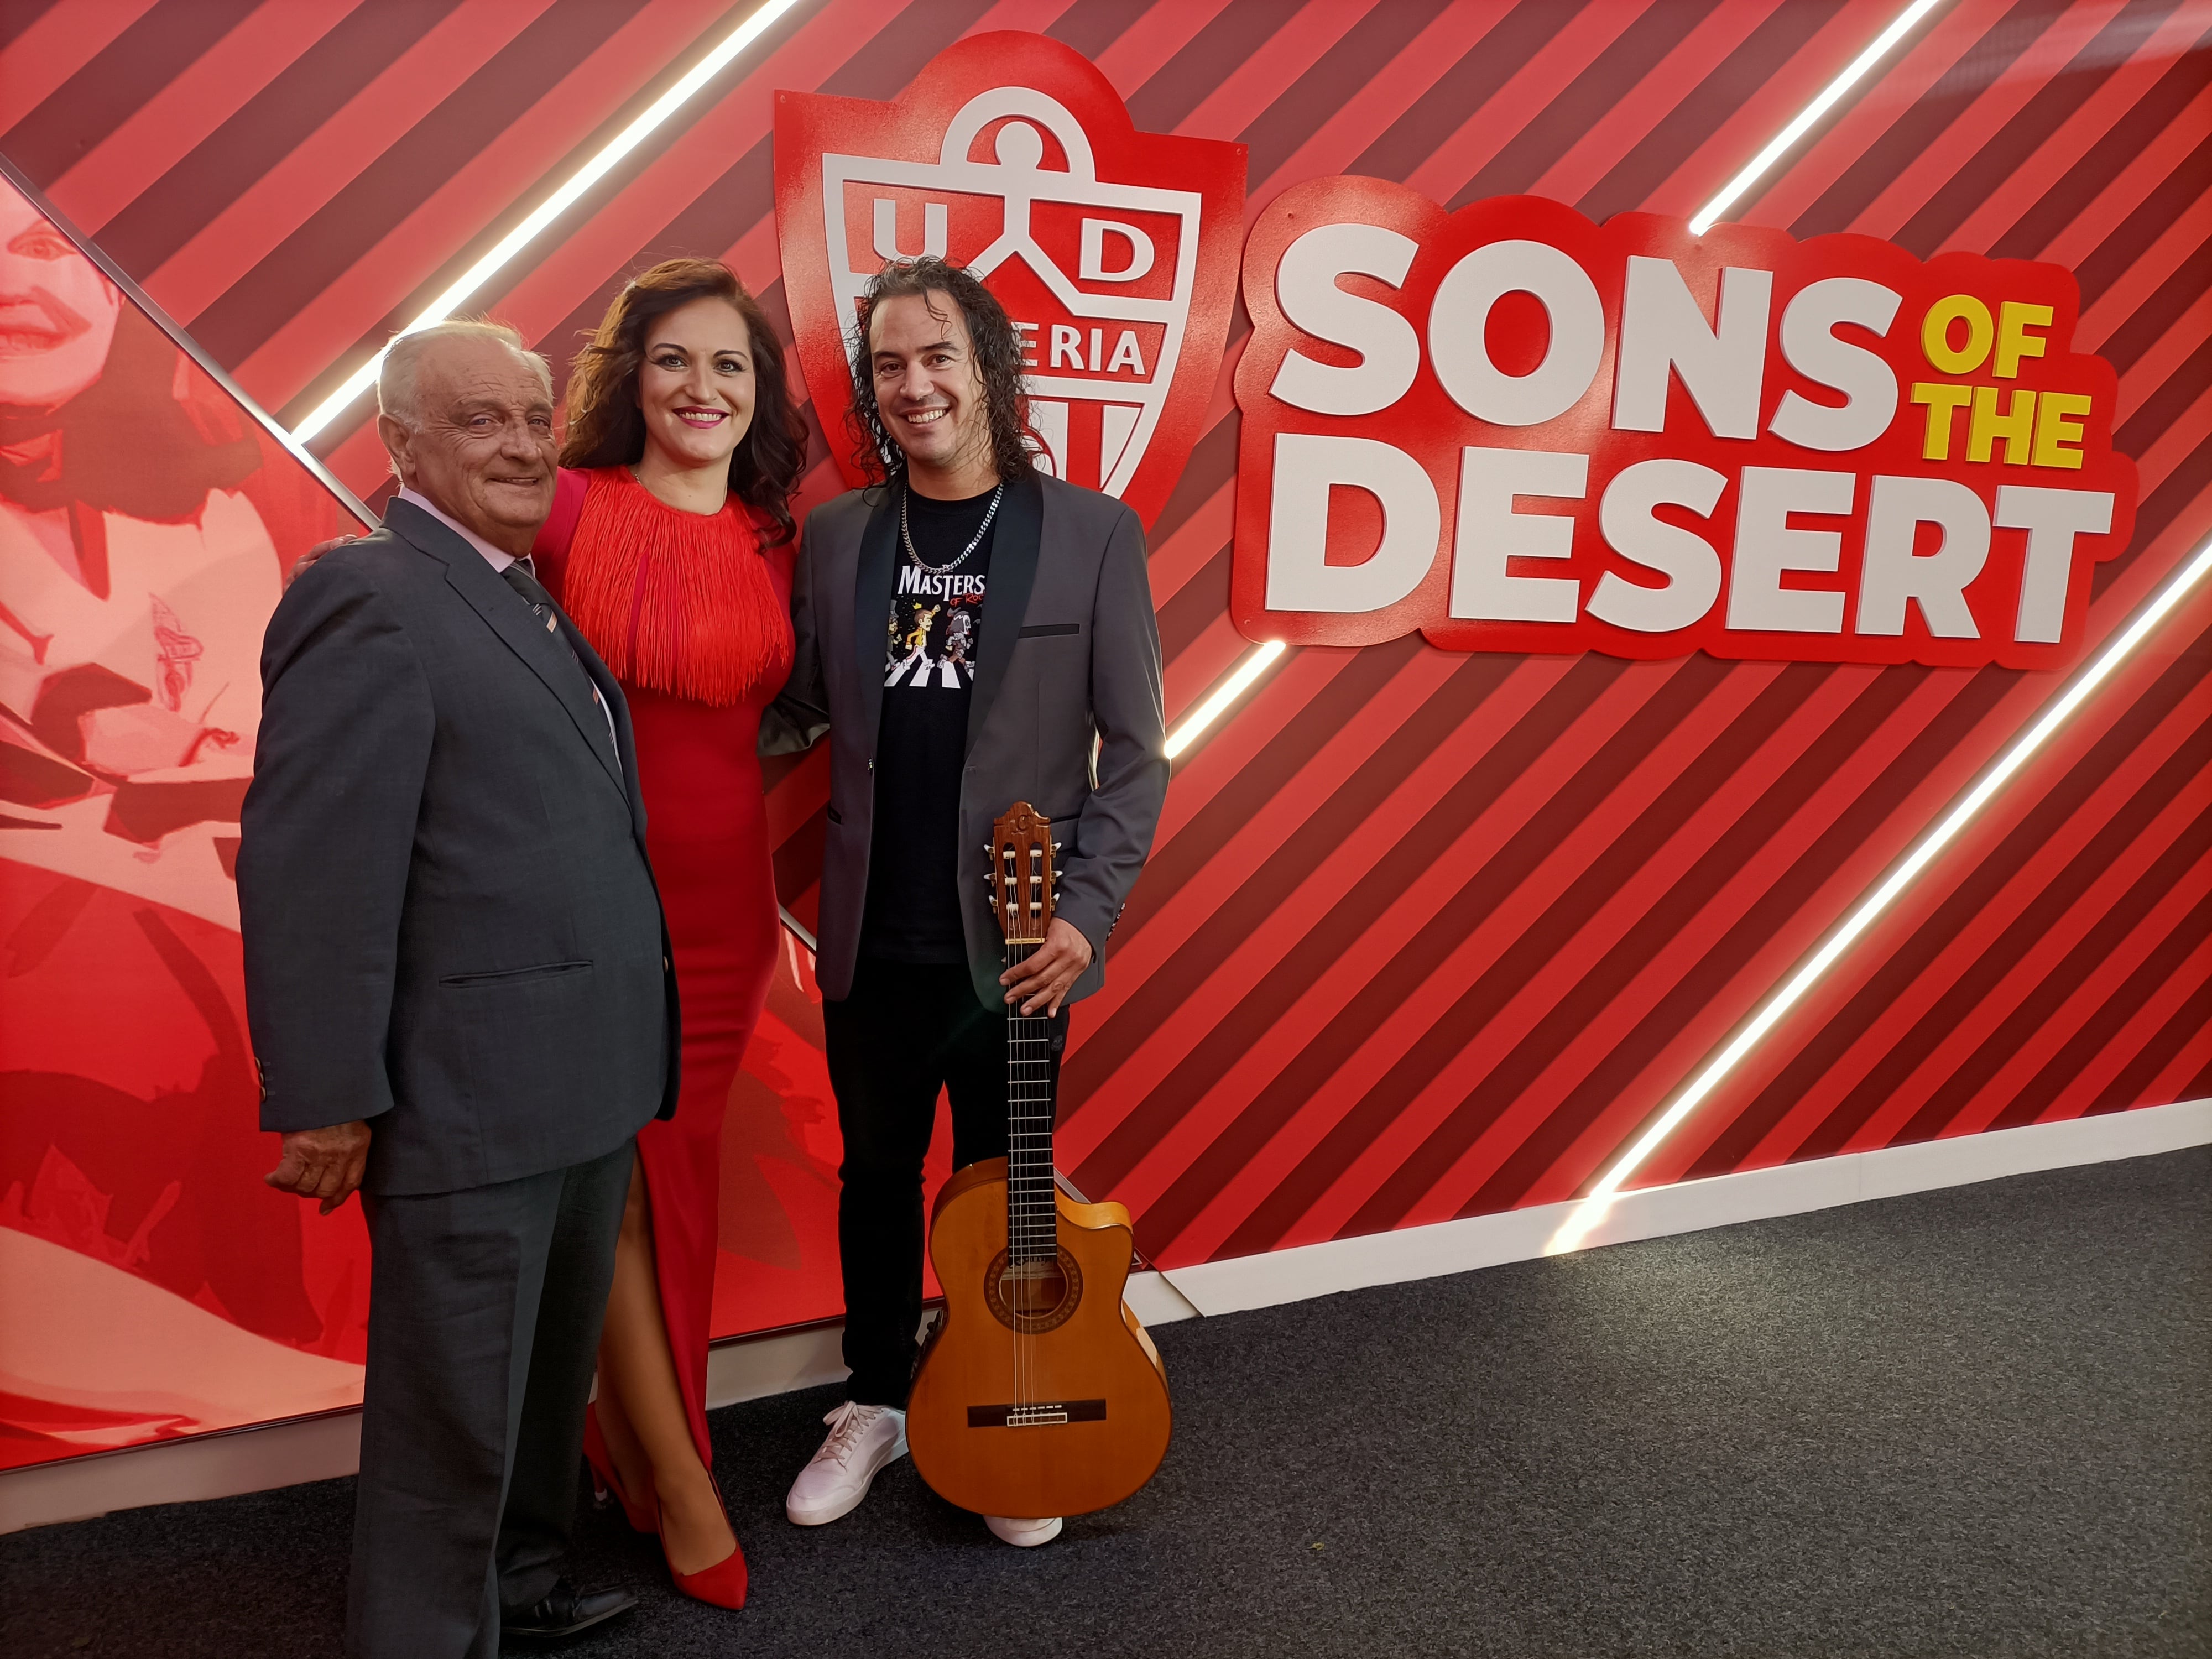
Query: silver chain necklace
[981,530]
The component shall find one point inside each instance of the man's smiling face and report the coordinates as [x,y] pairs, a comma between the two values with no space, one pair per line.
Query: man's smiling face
[929,393]
[484,451]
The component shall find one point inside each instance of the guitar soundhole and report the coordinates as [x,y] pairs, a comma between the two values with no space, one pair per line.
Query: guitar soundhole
[1031,1296]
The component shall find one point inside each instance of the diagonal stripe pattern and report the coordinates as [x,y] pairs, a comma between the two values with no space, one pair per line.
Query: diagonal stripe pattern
[1424,936]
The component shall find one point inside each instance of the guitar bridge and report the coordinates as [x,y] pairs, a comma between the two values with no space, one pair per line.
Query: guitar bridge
[1037,1415]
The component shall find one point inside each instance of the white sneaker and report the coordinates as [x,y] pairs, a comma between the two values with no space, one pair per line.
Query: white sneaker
[862,1439]
[1022,1534]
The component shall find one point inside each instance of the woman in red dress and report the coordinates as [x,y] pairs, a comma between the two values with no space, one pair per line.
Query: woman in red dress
[669,545]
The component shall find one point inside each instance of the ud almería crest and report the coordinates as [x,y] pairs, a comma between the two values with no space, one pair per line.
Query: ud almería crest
[1114,251]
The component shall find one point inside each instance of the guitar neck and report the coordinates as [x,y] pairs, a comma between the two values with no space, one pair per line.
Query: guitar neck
[1032,1224]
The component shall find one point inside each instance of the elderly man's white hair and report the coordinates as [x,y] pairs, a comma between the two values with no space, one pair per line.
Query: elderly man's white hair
[398,381]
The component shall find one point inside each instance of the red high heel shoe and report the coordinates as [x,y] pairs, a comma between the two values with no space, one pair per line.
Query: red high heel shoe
[642,1517]
[723,1584]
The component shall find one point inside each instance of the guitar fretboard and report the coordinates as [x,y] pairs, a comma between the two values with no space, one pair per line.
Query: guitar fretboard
[1032,1218]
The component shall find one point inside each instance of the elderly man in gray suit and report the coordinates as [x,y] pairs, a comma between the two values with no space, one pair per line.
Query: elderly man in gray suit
[457,981]
[969,634]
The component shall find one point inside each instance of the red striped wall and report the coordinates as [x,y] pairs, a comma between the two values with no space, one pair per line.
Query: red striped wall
[1425,935]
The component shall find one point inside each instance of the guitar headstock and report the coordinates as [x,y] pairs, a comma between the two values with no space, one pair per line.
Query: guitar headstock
[1022,875]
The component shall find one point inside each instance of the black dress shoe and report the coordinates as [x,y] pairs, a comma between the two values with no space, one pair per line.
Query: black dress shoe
[565,1612]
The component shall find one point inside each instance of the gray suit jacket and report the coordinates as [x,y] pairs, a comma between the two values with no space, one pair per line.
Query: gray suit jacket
[1071,656]
[450,929]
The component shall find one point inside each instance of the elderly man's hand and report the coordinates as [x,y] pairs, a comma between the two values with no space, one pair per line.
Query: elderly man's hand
[324,1165]
[1046,977]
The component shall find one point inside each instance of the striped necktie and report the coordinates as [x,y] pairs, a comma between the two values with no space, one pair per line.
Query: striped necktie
[522,577]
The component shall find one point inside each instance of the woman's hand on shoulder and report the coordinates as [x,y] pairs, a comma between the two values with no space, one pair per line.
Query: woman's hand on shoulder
[308,559]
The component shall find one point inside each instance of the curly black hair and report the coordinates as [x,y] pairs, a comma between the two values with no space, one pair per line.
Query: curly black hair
[997,356]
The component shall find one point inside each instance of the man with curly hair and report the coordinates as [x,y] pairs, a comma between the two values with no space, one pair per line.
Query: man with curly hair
[1054,698]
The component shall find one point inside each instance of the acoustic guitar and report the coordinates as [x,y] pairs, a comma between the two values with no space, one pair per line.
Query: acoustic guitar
[1039,1393]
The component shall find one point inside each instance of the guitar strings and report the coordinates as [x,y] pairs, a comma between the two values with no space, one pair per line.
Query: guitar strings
[1031,1242]
[1021,1220]
[1032,1216]
[1015,956]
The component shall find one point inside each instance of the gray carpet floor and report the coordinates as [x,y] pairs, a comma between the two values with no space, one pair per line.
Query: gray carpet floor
[1976,1422]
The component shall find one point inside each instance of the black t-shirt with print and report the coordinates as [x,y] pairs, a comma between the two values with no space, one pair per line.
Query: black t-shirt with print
[934,635]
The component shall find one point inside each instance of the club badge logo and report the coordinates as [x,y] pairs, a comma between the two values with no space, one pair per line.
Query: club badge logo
[1116,252]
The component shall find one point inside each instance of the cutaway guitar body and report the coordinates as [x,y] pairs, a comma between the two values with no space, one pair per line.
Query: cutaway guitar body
[1079,1419]
[1040,1394]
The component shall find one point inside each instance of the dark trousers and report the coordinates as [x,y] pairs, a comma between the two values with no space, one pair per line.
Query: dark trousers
[483,1322]
[902,1034]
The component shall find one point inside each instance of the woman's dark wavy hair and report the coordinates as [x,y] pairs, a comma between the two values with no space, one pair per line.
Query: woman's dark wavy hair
[998,352]
[606,427]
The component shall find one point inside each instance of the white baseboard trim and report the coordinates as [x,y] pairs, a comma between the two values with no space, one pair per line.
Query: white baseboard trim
[778,1363]
[325,1447]
[1153,1297]
[1489,1241]
[183,1471]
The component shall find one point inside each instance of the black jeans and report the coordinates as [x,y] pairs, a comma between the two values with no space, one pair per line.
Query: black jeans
[905,1032]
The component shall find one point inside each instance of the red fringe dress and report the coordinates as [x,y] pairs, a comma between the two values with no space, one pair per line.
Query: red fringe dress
[692,615]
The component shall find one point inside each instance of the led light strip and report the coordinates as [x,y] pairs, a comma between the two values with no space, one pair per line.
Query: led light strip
[555,204]
[1224,697]
[1593,1209]
[1812,111]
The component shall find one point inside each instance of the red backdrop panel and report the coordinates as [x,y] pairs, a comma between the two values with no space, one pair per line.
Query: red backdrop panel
[1424,934]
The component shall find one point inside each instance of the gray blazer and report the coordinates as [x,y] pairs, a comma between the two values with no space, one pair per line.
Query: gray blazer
[450,929]
[1081,667]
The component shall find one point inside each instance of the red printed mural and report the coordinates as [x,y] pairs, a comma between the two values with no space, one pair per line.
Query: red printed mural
[152,1286]
[1428,933]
